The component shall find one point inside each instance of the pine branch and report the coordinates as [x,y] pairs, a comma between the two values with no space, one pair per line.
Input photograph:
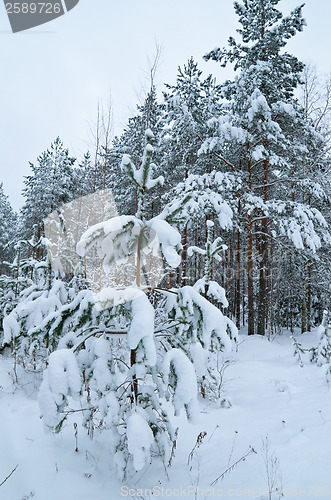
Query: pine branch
[97,332]
[217,155]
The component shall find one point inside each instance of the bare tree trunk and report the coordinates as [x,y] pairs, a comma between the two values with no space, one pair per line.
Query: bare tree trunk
[243,301]
[271,286]
[238,281]
[183,268]
[263,289]
[309,299]
[134,387]
[250,290]
[304,308]
[264,264]
[250,264]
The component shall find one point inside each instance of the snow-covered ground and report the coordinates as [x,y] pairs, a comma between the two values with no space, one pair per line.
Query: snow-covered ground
[280,410]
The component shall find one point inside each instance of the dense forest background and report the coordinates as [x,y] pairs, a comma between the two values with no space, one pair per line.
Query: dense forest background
[259,143]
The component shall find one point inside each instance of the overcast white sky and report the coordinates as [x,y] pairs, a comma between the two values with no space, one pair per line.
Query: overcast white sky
[54,76]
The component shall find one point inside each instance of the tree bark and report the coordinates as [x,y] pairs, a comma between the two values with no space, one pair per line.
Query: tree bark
[183,268]
[250,290]
[309,299]
[264,261]
[238,281]
[263,283]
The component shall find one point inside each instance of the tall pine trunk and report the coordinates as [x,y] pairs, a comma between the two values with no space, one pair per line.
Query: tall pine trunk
[264,261]
[238,281]
[250,291]
[250,264]
[309,299]
[263,282]
[183,267]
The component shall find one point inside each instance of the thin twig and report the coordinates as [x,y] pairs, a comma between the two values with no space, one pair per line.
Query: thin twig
[217,427]
[12,472]
[198,443]
[229,469]
[233,445]
[174,445]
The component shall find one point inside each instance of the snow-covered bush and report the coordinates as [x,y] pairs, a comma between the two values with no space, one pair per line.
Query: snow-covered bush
[7,298]
[118,376]
[31,327]
[299,351]
[33,298]
[322,353]
[23,272]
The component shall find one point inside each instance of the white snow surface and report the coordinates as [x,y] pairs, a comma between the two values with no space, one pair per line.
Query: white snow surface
[271,395]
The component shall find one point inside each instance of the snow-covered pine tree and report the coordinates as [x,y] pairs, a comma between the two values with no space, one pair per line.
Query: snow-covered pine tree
[264,122]
[200,328]
[142,177]
[209,196]
[213,248]
[32,307]
[201,331]
[149,116]
[22,272]
[86,176]
[8,222]
[188,106]
[50,186]
[29,327]
[122,385]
